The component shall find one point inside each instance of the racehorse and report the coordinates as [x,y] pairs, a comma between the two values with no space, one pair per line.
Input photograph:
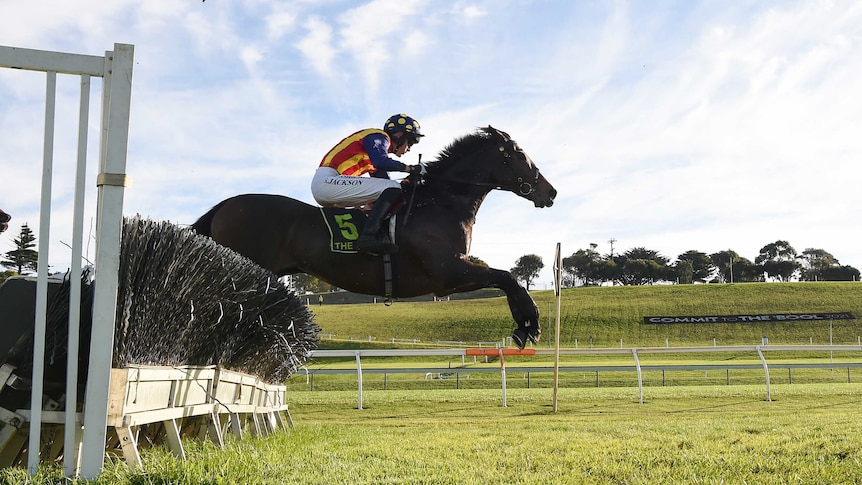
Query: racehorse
[433,230]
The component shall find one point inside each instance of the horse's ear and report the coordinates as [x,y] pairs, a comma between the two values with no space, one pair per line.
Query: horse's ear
[495,132]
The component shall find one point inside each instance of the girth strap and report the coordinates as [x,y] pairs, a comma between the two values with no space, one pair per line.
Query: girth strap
[387,279]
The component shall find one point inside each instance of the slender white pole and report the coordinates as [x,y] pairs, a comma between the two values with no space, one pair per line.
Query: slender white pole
[557,292]
[359,380]
[42,279]
[72,429]
[503,376]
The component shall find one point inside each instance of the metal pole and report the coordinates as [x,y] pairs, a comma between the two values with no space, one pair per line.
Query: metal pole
[359,380]
[503,375]
[72,429]
[640,376]
[557,293]
[765,372]
[42,279]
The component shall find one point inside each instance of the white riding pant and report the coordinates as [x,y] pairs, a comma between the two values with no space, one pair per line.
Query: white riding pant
[330,189]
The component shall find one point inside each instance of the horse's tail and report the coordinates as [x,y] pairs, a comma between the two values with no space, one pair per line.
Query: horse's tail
[203,225]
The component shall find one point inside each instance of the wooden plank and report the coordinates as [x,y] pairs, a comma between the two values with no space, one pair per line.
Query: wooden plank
[37,60]
[11,443]
[129,443]
[214,430]
[172,434]
[236,424]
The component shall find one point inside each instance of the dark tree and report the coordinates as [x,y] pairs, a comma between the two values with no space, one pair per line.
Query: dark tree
[841,273]
[702,267]
[684,272]
[778,260]
[586,265]
[527,268]
[641,266]
[23,257]
[724,262]
[814,263]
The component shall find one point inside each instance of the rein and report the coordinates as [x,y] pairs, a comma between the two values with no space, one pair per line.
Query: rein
[523,188]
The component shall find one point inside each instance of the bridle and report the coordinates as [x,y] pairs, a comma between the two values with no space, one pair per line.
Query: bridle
[522,187]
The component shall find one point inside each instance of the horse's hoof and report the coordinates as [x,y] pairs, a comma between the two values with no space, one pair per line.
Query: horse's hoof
[534,336]
[520,337]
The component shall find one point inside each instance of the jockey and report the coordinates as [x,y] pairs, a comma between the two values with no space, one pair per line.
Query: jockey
[338,181]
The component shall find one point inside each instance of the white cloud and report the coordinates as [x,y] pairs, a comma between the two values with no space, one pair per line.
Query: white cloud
[279,22]
[701,126]
[469,12]
[317,47]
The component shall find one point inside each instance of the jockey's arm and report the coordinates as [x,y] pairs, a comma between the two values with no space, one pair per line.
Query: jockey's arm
[377,147]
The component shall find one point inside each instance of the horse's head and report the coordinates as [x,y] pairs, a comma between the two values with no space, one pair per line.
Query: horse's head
[517,173]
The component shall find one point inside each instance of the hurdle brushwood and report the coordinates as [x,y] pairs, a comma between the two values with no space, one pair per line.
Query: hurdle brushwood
[183,300]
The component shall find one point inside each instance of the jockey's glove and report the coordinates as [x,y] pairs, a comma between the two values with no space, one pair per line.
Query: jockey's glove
[418,169]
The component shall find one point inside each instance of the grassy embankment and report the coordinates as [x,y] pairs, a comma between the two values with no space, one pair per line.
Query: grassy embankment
[605,315]
[608,317]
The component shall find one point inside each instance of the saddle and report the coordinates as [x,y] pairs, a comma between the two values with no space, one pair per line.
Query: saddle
[346,224]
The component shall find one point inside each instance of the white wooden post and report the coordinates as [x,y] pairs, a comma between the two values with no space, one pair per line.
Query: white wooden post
[359,380]
[116,104]
[558,269]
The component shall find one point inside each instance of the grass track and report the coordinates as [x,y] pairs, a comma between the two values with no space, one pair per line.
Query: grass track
[711,434]
[808,434]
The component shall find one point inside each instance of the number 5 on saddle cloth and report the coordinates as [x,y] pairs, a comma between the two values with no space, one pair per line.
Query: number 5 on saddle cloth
[345,226]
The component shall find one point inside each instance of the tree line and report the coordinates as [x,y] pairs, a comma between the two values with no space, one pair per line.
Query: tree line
[777,261]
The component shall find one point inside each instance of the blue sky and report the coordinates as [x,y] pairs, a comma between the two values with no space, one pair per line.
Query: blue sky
[670,125]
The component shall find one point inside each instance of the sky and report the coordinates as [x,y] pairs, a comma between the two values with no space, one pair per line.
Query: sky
[669,125]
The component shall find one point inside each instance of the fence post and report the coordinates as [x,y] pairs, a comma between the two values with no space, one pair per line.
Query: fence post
[111,181]
[359,380]
[765,372]
[640,376]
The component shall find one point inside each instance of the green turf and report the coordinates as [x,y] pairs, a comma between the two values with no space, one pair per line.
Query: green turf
[719,434]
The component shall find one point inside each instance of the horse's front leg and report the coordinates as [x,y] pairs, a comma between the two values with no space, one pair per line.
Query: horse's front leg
[526,315]
[471,276]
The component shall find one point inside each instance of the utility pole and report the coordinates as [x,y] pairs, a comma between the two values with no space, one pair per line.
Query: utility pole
[612,241]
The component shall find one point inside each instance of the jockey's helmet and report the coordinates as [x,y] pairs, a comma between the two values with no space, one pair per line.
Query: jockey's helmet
[402,123]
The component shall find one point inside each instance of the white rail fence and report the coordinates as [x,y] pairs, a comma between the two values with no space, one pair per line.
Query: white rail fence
[636,366]
[115,69]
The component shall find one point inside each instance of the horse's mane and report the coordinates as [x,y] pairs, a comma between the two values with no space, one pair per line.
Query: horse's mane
[459,149]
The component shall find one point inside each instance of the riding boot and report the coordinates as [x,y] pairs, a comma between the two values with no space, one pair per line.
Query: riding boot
[371,241]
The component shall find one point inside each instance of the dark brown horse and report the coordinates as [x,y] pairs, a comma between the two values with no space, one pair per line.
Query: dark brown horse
[433,230]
